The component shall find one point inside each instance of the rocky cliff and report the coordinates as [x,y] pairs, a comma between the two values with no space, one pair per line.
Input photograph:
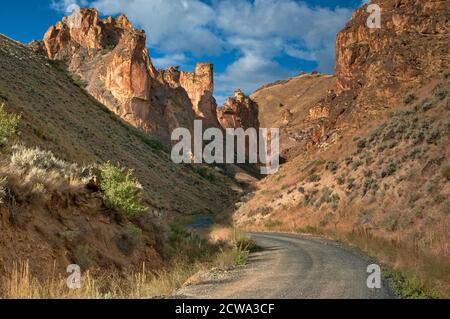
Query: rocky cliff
[110,58]
[376,68]
[287,104]
[199,86]
[239,111]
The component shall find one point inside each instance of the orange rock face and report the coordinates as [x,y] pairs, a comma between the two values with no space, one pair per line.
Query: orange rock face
[112,58]
[199,86]
[239,111]
[375,68]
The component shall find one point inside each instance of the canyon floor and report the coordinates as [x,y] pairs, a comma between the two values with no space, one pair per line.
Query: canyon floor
[290,267]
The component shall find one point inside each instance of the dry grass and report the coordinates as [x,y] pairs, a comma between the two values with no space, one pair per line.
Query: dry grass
[431,272]
[38,173]
[21,283]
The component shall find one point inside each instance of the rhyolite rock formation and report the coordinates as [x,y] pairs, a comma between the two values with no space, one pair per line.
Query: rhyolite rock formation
[239,111]
[111,57]
[375,68]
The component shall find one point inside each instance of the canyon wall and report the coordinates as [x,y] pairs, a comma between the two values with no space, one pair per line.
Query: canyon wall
[109,57]
[376,68]
[239,111]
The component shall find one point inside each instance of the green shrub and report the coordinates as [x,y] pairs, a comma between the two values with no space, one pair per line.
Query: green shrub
[204,172]
[264,210]
[390,169]
[355,165]
[409,98]
[246,244]
[351,184]
[348,161]
[309,199]
[426,105]
[239,256]
[8,125]
[331,166]
[23,157]
[407,287]
[78,81]
[370,184]
[430,186]
[41,167]
[187,246]
[442,93]
[120,189]
[340,180]
[362,144]
[314,178]
[433,135]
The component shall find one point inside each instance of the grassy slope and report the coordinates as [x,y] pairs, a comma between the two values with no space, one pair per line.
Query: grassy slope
[384,188]
[59,116]
[71,224]
[297,95]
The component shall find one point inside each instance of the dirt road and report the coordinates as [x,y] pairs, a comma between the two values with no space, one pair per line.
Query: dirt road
[291,266]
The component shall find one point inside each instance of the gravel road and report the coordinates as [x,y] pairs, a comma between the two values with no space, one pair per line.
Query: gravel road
[292,267]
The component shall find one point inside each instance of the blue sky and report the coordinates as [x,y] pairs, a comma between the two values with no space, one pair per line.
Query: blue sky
[250,42]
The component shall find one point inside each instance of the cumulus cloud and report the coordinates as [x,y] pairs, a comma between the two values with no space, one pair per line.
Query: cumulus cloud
[262,32]
[66,6]
[166,61]
[175,26]
[249,72]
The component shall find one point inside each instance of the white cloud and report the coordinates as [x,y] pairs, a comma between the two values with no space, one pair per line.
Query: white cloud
[261,31]
[175,26]
[250,72]
[65,5]
[166,61]
[263,23]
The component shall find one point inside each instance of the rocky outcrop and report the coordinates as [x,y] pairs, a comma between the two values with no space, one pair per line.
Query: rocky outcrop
[412,44]
[199,86]
[111,57]
[239,111]
[375,68]
[288,104]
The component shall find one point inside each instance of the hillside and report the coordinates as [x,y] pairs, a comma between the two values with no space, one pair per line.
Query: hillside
[59,116]
[286,104]
[373,168]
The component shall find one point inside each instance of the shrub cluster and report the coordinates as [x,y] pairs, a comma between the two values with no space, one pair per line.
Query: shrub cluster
[8,125]
[120,189]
